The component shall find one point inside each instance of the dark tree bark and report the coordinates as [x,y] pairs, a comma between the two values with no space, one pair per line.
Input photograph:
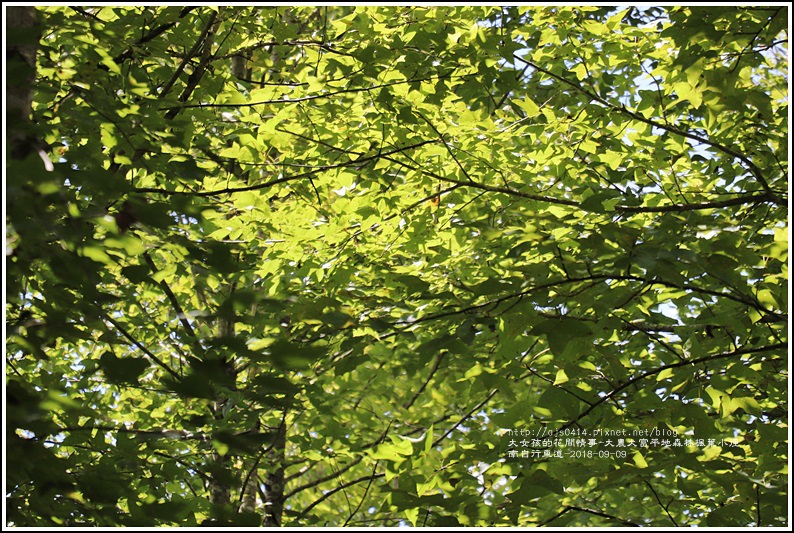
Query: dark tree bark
[274,505]
[22,34]
[221,469]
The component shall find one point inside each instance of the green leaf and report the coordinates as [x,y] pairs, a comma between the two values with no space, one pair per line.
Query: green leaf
[122,370]
[558,404]
[394,451]
[288,355]
[136,273]
[560,378]
[560,331]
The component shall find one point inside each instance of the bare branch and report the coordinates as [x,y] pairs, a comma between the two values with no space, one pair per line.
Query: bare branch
[589,511]
[649,373]
[337,489]
[196,50]
[433,370]
[180,313]
[659,501]
[284,179]
[141,347]
[752,167]
[364,496]
[465,417]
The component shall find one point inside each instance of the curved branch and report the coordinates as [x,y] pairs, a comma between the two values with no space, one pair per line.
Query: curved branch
[433,371]
[752,167]
[171,434]
[631,209]
[197,48]
[743,299]
[310,97]
[153,33]
[364,496]
[204,45]
[659,501]
[141,347]
[180,313]
[649,373]
[681,208]
[336,474]
[284,179]
[337,489]
[589,511]
[749,45]
[465,417]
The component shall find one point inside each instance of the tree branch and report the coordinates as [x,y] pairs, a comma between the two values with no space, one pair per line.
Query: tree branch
[649,373]
[364,496]
[153,33]
[171,434]
[205,45]
[347,467]
[446,145]
[677,208]
[465,417]
[141,347]
[284,179]
[323,479]
[752,167]
[433,370]
[197,48]
[659,501]
[180,313]
[337,489]
[589,511]
[682,208]
[749,45]
[743,299]
[310,97]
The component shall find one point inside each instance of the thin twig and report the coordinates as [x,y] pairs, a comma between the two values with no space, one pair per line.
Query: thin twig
[752,167]
[659,500]
[433,370]
[465,417]
[180,313]
[633,380]
[141,347]
[364,496]
[337,489]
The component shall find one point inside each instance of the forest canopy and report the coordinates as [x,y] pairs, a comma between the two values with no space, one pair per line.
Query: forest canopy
[388,265]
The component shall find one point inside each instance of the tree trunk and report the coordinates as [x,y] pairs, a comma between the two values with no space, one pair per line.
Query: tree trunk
[221,477]
[248,504]
[22,34]
[274,485]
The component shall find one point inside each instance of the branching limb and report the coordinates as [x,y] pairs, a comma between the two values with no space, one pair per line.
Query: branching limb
[635,379]
[141,347]
[337,489]
[769,195]
[171,434]
[195,51]
[589,511]
[659,500]
[629,209]
[284,179]
[364,496]
[150,35]
[465,417]
[180,313]
[433,370]
[323,479]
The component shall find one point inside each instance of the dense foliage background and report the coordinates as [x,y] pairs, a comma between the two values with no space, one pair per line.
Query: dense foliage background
[397,265]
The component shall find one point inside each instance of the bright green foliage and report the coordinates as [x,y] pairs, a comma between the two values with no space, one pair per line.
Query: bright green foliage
[404,232]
